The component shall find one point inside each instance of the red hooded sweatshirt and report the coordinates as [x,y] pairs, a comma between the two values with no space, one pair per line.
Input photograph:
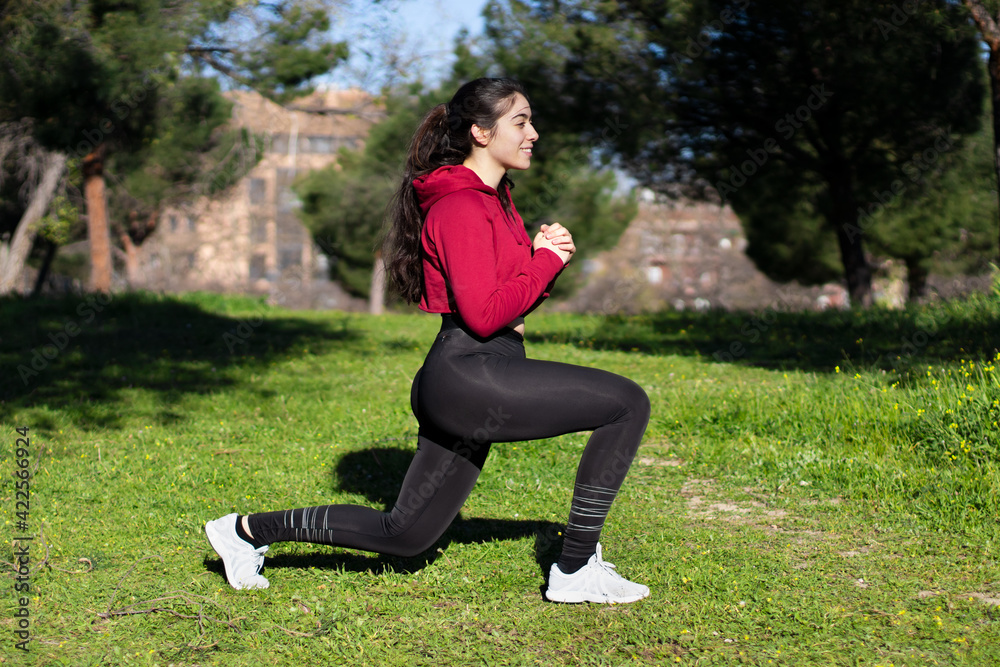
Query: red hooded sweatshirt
[478,260]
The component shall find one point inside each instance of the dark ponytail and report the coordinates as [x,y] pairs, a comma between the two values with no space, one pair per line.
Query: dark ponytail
[444,137]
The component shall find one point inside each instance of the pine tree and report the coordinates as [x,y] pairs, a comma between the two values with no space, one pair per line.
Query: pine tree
[799,114]
[127,87]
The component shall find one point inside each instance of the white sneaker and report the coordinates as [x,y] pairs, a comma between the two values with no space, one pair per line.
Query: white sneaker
[596,581]
[243,562]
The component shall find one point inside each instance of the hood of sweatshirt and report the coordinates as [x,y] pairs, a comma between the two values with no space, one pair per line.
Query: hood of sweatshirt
[446,180]
[453,178]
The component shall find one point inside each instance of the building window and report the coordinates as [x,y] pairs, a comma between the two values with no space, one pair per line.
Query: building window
[289,256]
[314,144]
[172,220]
[258,267]
[258,191]
[190,223]
[279,143]
[258,229]
[287,201]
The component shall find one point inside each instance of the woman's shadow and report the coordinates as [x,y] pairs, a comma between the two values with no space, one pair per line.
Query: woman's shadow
[377,474]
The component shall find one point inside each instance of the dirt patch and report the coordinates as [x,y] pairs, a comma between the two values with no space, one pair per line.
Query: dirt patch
[824,501]
[704,504]
[749,511]
[693,486]
[992,599]
[851,553]
[655,461]
[726,507]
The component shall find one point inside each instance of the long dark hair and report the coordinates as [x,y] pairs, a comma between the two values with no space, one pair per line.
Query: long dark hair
[444,137]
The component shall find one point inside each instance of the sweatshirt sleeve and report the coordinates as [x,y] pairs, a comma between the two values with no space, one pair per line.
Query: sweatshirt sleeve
[464,239]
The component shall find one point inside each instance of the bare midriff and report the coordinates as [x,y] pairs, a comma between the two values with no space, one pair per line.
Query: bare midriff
[517,325]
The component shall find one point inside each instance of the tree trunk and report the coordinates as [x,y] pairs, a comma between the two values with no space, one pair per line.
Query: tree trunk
[916,279]
[27,228]
[43,271]
[850,238]
[990,32]
[994,70]
[132,273]
[856,269]
[97,220]
[376,301]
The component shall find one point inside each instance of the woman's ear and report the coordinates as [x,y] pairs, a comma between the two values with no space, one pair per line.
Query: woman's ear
[479,135]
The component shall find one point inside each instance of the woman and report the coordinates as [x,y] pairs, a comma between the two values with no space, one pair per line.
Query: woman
[457,246]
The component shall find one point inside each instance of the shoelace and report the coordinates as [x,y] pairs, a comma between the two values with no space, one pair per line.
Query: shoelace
[609,567]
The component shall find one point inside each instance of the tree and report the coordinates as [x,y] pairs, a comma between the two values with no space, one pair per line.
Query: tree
[800,114]
[944,218]
[39,172]
[129,79]
[192,152]
[987,18]
[343,207]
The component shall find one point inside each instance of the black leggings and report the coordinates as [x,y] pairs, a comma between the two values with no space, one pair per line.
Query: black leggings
[470,393]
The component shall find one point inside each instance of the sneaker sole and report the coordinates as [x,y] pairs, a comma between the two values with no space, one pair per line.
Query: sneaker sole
[213,535]
[574,597]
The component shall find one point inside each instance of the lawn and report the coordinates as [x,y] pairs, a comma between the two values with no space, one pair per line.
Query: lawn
[813,489]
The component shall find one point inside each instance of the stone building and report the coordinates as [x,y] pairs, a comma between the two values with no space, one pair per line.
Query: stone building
[250,240]
[681,254]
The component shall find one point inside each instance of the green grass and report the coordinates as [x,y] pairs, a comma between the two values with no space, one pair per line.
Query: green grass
[830,497]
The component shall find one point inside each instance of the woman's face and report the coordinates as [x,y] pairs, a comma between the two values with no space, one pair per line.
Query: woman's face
[510,142]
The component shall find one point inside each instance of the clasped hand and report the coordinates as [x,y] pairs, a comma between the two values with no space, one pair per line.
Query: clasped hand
[556,238]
